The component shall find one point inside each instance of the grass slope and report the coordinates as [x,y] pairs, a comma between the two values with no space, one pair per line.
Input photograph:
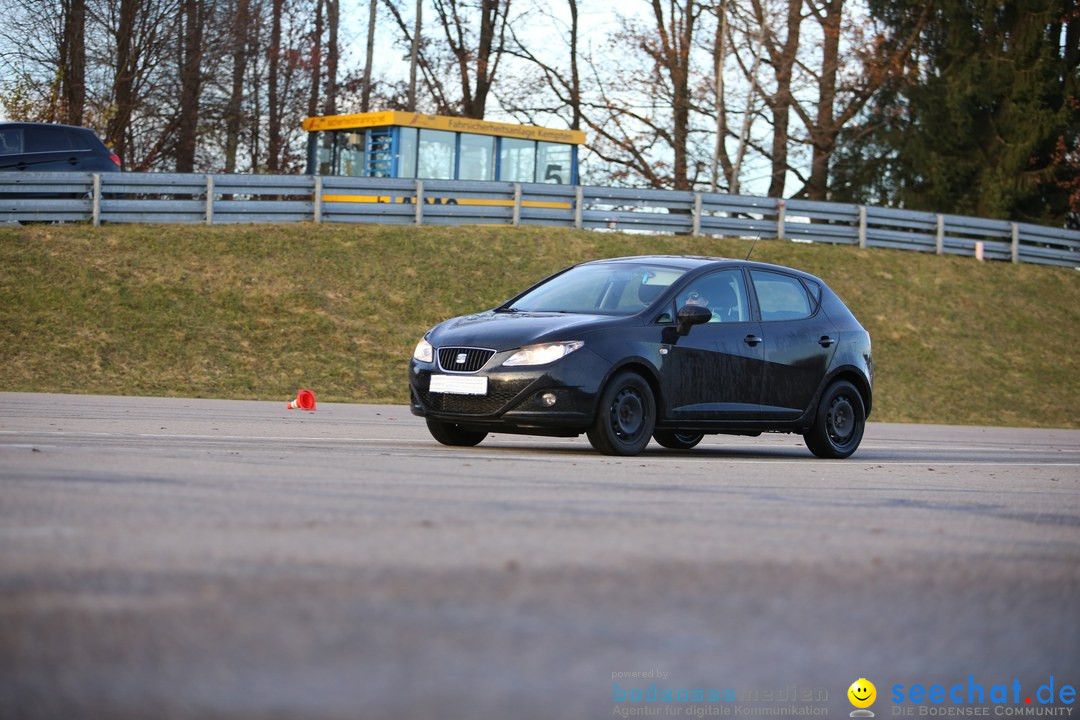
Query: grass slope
[259,311]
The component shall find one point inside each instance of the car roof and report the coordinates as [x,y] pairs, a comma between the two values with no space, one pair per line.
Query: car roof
[17,123]
[692,262]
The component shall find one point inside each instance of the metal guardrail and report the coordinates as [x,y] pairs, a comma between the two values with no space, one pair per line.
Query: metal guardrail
[219,199]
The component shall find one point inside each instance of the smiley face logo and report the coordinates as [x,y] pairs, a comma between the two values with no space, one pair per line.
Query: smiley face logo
[862,694]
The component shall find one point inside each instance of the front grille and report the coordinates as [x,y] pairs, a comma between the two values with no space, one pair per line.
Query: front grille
[500,394]
[472,359]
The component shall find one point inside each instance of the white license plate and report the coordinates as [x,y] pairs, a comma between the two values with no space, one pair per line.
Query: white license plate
[459,384]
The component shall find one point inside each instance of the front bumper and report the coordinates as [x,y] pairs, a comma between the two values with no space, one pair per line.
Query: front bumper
[513,398]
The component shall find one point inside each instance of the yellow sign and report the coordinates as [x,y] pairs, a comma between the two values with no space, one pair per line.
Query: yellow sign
[442,122]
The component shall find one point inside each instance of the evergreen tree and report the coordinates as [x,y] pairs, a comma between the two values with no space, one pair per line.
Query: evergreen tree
[975,125]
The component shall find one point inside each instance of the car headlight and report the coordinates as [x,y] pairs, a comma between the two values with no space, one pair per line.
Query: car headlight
[424,352]
[543,353]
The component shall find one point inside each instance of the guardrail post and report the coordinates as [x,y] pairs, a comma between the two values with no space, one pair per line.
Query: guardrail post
[697,214]
[96,200]
[1015,243]
[862,226]
[209,199]
[517,204]
[419,202]
[318,200]
[940,234]
[579,201]
[781,215]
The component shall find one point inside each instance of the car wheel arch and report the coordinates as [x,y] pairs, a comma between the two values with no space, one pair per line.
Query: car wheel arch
[636,365]
[852,375]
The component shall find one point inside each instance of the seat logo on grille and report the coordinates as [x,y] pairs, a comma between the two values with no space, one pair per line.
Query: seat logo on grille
[460,359]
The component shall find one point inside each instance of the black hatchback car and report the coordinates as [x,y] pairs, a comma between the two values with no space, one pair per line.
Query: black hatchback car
[42,147]
[667,348]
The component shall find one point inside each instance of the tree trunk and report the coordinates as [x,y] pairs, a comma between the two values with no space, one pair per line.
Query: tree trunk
[365,96]
[273,149]
[191,20]
[333,22]
[73,61]
[233,117]
[316,60]
[823,137]
[476,67]
[783,62]
[676,36]
[413,56]
[720,159]
[489,16]
[575,77]
[123,89]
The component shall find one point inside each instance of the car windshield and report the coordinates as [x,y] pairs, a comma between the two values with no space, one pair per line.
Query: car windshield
[605,288]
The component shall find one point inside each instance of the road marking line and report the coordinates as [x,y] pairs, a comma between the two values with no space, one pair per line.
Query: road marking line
[996,448]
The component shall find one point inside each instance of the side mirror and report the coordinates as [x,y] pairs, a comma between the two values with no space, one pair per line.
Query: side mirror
[691,315]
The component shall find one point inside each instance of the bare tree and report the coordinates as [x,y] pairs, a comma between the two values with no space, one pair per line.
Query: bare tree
[730,27]
[471,54]
[192,19]
[274,52]
[423,62]
[43,58]
[135,59]
[239,51]
[782,54]
[365,97]
[641,115]
[838,104]
[414,51]
[333,22]
[558,89]
[316,60]
[73,60]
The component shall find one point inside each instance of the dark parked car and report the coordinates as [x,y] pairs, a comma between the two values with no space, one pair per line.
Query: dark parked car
[41,147]
[668,348]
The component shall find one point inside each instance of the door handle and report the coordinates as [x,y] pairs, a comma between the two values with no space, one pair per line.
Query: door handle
[73,161]
[826,341]
[751,340]
[21,166]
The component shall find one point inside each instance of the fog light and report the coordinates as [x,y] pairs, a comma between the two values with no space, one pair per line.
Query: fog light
[548,399]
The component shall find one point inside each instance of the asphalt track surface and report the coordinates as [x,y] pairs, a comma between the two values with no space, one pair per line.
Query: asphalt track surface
[174,558]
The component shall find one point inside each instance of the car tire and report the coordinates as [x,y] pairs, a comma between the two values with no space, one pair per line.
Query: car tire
[625,417]
[839,423]
[674,440]
[452,434]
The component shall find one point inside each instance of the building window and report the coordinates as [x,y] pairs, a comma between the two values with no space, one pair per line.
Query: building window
[436,156]
[477,157]
[517,160]
[553,163]
[407,153]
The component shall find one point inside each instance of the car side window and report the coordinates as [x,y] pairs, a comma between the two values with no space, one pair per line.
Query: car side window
[47,139]
[723,292]
[781,297]
[11,141]
[76,141]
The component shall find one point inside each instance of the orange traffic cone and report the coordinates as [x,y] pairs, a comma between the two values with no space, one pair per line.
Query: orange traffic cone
[305,400]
